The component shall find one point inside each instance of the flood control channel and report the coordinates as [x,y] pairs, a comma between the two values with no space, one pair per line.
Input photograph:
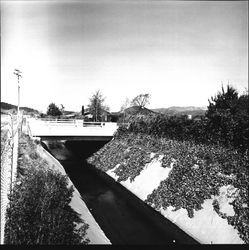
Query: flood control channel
[123,217]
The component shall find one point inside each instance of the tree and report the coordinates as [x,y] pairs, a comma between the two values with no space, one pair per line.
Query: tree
[40,211]
[228,117]
[96,106]
[242,118]
[224,100]
[53,110]
[62,108]
[124,106]
[141,100]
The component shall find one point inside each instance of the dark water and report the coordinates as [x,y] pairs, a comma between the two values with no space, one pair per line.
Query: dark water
[123,217]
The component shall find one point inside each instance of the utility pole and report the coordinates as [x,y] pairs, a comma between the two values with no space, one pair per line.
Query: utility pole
[96,110]
[18,73]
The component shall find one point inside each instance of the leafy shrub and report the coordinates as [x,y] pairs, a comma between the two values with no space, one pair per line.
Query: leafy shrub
[53,110]
[39,210]
[4,140]
[226,123]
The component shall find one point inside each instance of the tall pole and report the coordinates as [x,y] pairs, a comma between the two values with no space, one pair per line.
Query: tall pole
[96,110]
[18,107]
[18,73]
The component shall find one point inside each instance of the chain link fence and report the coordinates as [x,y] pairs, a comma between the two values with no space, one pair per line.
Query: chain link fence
[9,154]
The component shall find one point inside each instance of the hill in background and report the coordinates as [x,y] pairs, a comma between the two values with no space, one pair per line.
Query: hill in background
[175,110]
[136,109]
[10,108]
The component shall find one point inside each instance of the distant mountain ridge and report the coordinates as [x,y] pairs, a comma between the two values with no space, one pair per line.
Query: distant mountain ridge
[8,107]
[177,110]
[136,109]
[188,108]
[173,110]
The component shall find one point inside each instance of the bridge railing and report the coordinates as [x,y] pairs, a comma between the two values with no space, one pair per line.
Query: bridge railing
[69,122]
[69,127]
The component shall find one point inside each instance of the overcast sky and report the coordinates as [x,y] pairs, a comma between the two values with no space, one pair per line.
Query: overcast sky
[178,51]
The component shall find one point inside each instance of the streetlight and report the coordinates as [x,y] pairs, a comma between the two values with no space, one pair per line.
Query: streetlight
[18,73]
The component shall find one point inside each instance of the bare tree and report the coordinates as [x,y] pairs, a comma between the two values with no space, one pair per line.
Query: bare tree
[141,100]
[62,108]
[124,106]
[96,105]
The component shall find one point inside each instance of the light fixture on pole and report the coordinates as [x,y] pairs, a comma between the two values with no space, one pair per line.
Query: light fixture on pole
[18,73]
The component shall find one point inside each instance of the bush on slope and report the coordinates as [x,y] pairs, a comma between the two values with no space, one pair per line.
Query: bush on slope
[39,210]
[225,123]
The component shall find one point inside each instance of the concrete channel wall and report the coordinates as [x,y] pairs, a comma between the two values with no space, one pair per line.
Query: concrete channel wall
[138,204]
[9,159]
[206,227]
[94,232]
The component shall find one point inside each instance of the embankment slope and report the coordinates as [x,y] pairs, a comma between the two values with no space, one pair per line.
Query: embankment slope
[94,233]
[189,184]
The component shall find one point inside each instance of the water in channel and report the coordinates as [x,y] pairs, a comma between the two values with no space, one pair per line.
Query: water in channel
[122,219]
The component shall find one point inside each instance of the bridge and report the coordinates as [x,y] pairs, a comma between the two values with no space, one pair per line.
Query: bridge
[71,129]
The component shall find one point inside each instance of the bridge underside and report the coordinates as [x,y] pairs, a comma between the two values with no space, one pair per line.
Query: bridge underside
[75,138]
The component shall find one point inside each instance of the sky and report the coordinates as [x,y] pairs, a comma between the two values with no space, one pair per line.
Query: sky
[180,52]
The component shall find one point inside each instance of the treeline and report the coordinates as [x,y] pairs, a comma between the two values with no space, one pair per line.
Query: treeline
[226,123]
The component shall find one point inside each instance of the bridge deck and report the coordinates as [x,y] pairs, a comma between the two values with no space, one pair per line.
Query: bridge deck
[72,129]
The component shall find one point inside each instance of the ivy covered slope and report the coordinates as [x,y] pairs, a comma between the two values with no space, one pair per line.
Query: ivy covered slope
[203,182]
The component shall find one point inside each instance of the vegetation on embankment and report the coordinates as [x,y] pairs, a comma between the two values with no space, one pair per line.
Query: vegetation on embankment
[198,173]
[225,123]
[4,138]
[39,210]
